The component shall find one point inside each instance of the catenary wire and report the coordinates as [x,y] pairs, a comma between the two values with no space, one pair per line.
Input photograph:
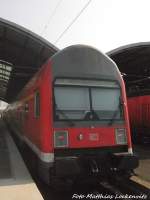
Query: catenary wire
[51,16]
[73,21]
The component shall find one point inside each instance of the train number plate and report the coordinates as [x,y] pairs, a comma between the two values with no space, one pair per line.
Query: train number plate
[93,136]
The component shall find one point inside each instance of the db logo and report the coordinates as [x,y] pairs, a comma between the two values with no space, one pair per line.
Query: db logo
[80,136]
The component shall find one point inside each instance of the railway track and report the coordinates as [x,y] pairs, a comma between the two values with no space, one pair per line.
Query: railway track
[120,188]
[114,188]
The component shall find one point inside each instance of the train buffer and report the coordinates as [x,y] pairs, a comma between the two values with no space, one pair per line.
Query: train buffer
[15,180]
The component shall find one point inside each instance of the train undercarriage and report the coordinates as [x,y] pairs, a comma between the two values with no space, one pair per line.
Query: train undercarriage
[67,171]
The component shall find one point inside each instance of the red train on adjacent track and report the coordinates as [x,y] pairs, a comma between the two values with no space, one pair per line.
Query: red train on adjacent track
[139,114]
[73,116]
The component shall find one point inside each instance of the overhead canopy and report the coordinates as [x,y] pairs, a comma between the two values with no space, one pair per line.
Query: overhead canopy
[21,54]
[134,63]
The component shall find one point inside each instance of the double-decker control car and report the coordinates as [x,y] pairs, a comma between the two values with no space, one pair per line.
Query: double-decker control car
[73,116]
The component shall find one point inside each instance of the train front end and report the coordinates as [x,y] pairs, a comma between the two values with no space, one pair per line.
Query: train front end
[90,121]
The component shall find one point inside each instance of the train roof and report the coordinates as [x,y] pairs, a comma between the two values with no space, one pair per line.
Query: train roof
[137,93]
[83,61]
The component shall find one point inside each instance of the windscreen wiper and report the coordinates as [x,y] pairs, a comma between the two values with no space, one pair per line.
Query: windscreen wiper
[69,121]
[91,115]
[115,113]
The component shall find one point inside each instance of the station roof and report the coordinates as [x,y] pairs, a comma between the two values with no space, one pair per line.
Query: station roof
[134,63]
[22,53]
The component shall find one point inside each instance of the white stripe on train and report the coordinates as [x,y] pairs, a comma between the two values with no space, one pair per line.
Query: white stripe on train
[45,157]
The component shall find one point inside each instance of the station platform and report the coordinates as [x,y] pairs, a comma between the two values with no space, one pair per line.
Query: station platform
[143,152]
[15,181]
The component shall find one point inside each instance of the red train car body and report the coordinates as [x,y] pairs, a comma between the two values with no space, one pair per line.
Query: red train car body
[139,115]
[73,115]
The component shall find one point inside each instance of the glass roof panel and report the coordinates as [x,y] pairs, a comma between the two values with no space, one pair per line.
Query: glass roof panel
[5,72]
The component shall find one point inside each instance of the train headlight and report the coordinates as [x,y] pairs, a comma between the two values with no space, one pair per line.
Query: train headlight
[60,139]
[121,137]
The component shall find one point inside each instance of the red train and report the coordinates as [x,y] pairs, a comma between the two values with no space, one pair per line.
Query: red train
[139,114]
[73,116]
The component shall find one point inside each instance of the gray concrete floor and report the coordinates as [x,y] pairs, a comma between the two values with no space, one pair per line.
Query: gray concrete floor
[15,180]
[143,171]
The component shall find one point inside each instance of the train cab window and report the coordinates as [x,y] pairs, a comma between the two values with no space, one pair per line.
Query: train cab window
[37,105]
[88,100]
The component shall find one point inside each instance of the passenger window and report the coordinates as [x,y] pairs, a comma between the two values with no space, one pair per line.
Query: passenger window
[26,108]
[37,105]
